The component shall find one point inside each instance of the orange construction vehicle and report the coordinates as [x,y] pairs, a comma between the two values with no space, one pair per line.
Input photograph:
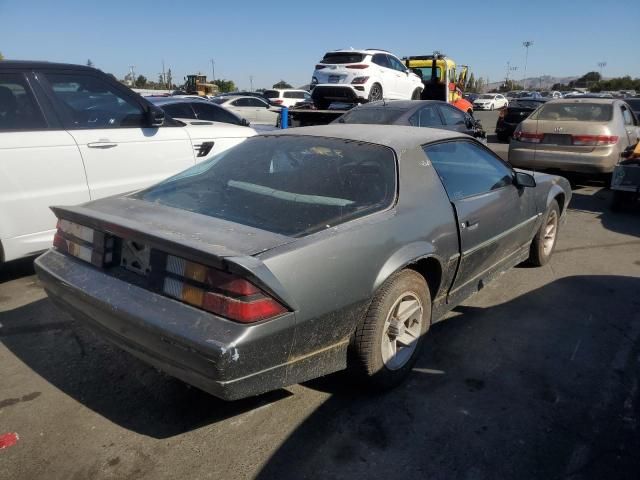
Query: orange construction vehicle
[441,78]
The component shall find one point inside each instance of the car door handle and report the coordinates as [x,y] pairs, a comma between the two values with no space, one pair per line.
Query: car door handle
[102,145]
[469,225]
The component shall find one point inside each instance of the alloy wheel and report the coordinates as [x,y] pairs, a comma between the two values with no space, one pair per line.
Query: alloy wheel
[402,330]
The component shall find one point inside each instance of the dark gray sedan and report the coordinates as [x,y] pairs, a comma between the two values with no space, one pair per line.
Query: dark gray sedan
[415,113]
[301,253]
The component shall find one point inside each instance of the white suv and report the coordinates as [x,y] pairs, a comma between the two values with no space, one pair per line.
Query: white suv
[358,76]
[70,134]
[287,97]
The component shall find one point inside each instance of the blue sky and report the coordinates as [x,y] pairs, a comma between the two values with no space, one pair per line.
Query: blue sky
[284,40]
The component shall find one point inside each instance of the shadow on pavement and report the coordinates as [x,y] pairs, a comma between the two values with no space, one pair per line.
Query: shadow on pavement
[538,387]
[17,269]
[627,222]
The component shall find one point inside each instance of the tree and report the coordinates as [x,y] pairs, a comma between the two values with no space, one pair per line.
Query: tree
[510,85]
[282,84]
[89,63]
[169,79]
[225,85]
[141,81]
[1,56]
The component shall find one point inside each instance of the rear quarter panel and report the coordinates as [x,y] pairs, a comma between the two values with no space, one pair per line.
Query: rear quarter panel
[333,274]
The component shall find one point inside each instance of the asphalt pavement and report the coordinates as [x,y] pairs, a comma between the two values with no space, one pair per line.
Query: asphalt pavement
[534,377]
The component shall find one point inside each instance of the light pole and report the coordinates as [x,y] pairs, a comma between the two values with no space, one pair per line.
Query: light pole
[251,82]
[509,70]
[602,65]
[526,44]
[213,71]
[133,75]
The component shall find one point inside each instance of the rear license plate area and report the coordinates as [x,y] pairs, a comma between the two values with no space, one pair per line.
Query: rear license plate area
[557,139]
[334,78]
[135,257]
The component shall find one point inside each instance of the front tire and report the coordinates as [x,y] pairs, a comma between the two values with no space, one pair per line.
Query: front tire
[387,340]
[492,107]
[544,242]
[375,93]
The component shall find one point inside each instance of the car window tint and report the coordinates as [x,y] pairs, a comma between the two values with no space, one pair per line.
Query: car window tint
[241,102]
[91,102]
[626,115]
[467,169]
[214,113]
[396,64]
[18,109]
[571,112]
[255,102]
[426,117]
[271,93]
[452,116]
[293,185]
[381,60]
[178,110]
[342,57]
[372,115]
[293,94]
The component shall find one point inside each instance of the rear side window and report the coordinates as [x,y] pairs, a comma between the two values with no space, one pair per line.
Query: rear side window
[214,113]
[426,117]
[271,93]
[467,169]
[291,185]
[567,112]
[18,108]
[342,57]
[452,116]
[382,60]
[92,102]
[178,110]
[293,94]
[375,116]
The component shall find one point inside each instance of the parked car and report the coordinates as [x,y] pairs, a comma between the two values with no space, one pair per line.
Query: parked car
[301,253]
[625,181]
[510,117]
[415,113]
[490,101]
[287,97]
[470,97]
[634,104]
[530,96]
[551,94]
[245,94]
[199,109]
[358,76]
[585,135]
[254,109]
[70,134]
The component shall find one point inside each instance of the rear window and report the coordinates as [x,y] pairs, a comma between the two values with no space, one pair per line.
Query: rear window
[293,95]
[532,104]
[376,116]
[291,185]
[566,112]
[271,93]
[342,57]
[219,100]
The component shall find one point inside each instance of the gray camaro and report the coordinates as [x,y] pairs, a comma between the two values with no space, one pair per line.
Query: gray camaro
[301,253]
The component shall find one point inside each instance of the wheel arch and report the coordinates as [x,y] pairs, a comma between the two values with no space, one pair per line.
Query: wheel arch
[558,194]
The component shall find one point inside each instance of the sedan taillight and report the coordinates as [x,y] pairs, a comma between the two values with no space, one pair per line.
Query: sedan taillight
[218,292]
[84,243]
[320,67]
[594,140]
[525,137]
[358,66]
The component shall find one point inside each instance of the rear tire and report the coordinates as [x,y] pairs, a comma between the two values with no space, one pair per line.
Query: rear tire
[387,340]
[619,200]
[417,94]
[502,137]
[492,107]
[545,240]
[375,93]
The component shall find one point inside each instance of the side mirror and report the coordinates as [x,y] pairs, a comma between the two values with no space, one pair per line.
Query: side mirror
[524,180]
[244,122]
[155,117]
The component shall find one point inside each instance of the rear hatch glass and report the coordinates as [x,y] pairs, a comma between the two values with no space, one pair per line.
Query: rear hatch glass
[290,185]
[271,93]
[342,57]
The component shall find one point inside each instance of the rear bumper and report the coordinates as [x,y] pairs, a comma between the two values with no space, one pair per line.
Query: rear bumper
[224,358]
[598,161]
[339,93]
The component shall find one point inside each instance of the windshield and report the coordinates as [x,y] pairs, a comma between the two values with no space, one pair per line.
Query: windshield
[291,185]
[383,116]
[532,104]
[342,57]
[566,112]
[425,72]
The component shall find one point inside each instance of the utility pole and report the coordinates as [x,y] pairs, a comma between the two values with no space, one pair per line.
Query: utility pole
[602,65]
[526,44]
[251,82]
[213,70]
[164,77]
[509,70]
[133,75]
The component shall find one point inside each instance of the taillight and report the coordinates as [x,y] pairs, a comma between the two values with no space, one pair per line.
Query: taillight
[358,66]
[320,67]
[528,137]
[277,101]
[594,140]
[84,243]
[359,80]
[218,292]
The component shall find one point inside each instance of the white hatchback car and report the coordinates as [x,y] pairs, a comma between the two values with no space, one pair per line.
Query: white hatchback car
[358,76]
[70,134]
[287,97]
[254,109]
[490,101]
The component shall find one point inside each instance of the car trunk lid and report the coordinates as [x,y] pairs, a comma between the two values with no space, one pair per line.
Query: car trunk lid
[567,136]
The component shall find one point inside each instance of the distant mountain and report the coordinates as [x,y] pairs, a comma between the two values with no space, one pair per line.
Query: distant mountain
[543,82]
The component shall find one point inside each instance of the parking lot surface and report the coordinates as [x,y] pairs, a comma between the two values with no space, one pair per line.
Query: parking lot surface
[534,377]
